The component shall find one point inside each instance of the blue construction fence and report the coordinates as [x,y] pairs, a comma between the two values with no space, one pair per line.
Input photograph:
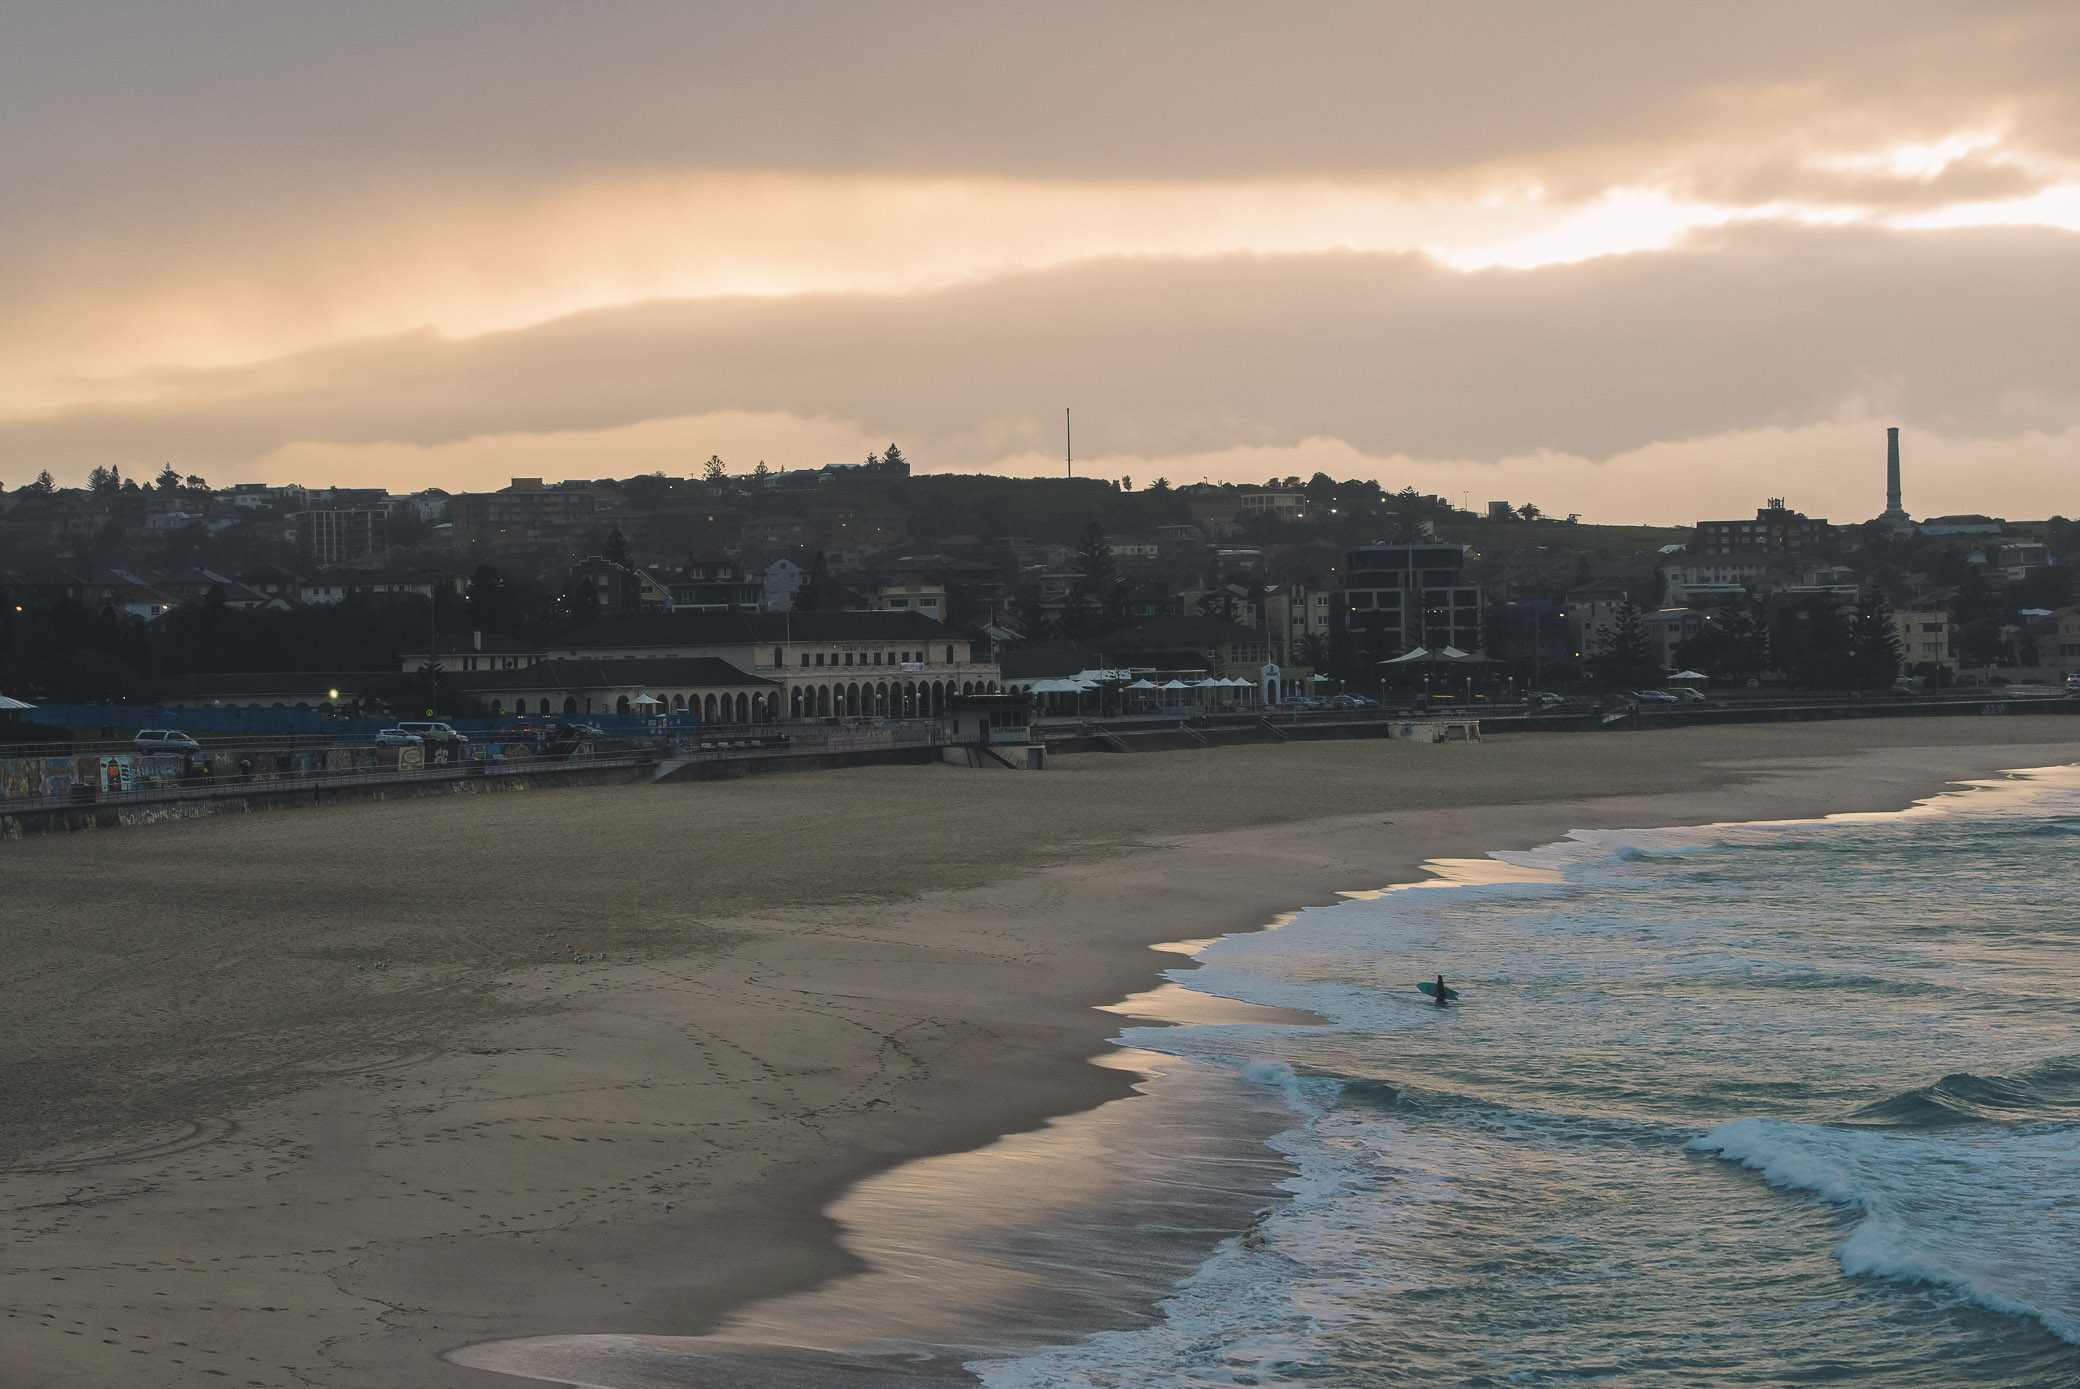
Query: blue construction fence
[305,721]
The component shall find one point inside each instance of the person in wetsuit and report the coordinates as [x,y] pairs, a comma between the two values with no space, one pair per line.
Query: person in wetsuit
[1439,1000]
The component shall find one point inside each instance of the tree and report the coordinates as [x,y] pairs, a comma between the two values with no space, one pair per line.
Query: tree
[892,458]
[617,549]
[714,473]
[761,472]
[168,479]
[1624,656]
[1813,648]
[195,483]
[1874,648]
[490,602]
[102,481]
[1094,558]
[811,592]
[1312,651]
[44,483]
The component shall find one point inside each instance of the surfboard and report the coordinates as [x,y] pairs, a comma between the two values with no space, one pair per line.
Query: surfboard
[1429,986]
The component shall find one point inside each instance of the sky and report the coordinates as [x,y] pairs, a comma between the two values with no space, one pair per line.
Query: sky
[1642,261]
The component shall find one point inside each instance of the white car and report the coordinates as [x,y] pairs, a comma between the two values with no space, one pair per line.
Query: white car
[1654,696]
[398,738]
[164,740]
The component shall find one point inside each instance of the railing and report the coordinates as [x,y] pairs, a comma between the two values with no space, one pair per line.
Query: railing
[166,778]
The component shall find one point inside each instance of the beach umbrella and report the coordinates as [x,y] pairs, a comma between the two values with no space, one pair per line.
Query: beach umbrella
[1173,685]
[644,702]
[1144,685]
[13,706]
[1419,654]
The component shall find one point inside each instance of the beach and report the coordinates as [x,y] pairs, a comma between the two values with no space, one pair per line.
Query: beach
[319,1097]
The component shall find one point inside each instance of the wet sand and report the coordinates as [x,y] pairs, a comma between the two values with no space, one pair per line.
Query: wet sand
[242,1152]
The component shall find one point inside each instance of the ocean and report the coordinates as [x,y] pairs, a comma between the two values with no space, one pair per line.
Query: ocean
[1788,1103]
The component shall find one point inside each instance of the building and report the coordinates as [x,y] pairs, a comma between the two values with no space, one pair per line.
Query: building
[1532,636]
[913,594]
[1399,597]
[1970,524]
[1690,579]
[1214,645]
[1776,530]
[464,652]
[1277,505]
[617,588]
[336,536]
[827,664]
[2063,649]
[1667,629]
[713,690]
[783,579]
[1592,613]
[1925,640]
[1293,617]
[523,514]
[711,584]
[334,585]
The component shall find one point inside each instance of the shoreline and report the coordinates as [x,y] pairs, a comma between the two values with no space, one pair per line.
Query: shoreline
[795,1340]
[983,1002]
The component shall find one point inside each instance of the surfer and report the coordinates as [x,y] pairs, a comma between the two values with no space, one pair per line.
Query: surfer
[1441,995]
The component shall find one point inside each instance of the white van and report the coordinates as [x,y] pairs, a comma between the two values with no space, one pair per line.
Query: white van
[430,732]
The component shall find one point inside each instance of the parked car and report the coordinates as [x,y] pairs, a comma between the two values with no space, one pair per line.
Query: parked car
[398,738]
[164,740]
[1685,695]
[575,730]
[431,732]
[1652,696]
[1544,698]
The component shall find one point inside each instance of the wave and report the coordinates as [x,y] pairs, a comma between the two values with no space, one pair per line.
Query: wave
[1985,1214]
[2049,1092]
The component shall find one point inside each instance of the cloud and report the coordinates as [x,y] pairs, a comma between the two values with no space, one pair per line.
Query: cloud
[1730,335]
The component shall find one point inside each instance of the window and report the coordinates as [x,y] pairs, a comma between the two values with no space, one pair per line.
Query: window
[776,657]
[805,658]
[819,655]
[949,654]
[848,658]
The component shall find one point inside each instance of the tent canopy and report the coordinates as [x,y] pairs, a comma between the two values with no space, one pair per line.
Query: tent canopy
[13,706]
[1057,687]
[1144,685]
[647,701]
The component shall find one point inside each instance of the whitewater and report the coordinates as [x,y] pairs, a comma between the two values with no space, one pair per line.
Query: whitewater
[1787,1103]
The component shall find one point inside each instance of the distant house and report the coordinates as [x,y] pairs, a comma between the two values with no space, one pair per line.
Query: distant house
[1776,530]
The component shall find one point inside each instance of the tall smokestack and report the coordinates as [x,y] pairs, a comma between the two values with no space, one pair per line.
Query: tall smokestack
[1892,503]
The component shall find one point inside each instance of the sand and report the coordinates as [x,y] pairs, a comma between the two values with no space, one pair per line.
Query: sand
[242,1152]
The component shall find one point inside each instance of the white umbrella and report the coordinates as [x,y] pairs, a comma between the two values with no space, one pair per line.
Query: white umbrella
[1679,675]
[1056,687]
[644,701]
[13,706]
[1416,655]
[1173,685]
[1144,685]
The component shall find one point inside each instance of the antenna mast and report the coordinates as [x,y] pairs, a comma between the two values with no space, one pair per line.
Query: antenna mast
[1068,443]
